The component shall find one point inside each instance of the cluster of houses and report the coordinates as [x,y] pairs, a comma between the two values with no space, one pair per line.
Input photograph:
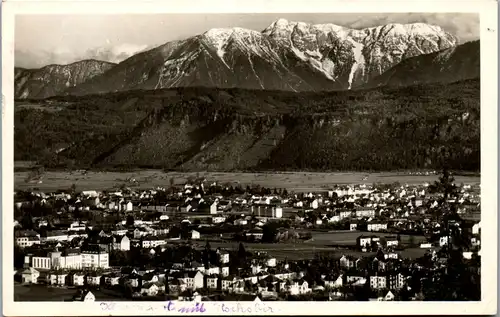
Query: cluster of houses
[385,274]
[402,207]
[75,253]
[382,208]
[357,207]
[263,275]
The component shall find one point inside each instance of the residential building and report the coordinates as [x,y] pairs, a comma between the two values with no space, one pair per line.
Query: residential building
[360,213]
[212,282]
[396,281]
[121,243]
[194,235]
[151,288]
[376,226]
[86,296]
[24,242]
[78,279]
[224,271]
[192,279]
[277,212]
[94,257]
[298,286]
[30,275]
[378,281]
[223,256]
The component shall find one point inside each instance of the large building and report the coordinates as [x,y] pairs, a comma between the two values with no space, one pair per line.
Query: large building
[24,242]
[95,257]
[90,257]
[67,259]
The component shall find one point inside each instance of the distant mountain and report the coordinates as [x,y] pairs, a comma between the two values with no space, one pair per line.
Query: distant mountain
[140,71]
[419,126]
[450,65]
[52,80]
[286,55]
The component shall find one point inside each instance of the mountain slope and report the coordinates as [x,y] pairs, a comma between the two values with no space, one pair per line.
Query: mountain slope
[286,55]
[54,79]
[234,129]
[355,56]
[140,71]
[450,65]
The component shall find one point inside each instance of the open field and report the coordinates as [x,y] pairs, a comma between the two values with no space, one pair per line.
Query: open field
[330,242]
[292,181]
[38,293]
[349,237]
[304,250]
[42,293]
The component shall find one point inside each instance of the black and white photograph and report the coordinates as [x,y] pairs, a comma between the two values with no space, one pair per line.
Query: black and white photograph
[238,162]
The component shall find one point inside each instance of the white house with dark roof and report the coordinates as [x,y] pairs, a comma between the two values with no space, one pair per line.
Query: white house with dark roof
[86,296]
[30,275]
[122,243]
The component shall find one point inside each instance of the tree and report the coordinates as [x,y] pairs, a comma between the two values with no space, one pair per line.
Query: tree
[383,242]
[72,189]
[411,241]
[123,187]
[27,221]
[269,232]
[242,253]
[19,255]
[130,220]
[445,185]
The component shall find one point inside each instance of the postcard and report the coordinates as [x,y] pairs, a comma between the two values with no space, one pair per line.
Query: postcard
[249,157]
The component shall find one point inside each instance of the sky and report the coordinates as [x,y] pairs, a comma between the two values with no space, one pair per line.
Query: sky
[61,39]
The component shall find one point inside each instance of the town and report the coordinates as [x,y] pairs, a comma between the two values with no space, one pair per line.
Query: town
[206,241]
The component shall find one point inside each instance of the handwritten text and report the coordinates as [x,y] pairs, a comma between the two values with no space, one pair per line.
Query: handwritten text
[196,308]
[246,308]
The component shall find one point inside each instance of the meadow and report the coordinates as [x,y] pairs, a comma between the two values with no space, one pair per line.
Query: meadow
[42,293]
[335,243]
[142,179]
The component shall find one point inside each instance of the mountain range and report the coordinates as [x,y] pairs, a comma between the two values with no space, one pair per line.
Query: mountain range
[290,56]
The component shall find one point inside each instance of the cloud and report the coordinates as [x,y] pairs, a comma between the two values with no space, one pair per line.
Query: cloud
[114,54]
[117,53]
[36,59]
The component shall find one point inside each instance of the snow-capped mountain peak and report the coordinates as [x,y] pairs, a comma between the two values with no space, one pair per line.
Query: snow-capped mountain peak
[218,38]
[218,35]
[221,35]
[287,55]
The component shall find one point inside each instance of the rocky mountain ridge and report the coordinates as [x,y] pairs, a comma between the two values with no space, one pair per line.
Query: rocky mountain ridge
[54,79]
[293,56]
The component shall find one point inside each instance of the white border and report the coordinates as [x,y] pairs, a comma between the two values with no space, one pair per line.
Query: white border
[489,133]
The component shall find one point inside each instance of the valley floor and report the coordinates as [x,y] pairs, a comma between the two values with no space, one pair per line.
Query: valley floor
[292,181]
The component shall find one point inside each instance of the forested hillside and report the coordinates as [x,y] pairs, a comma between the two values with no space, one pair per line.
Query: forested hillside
[233,129]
